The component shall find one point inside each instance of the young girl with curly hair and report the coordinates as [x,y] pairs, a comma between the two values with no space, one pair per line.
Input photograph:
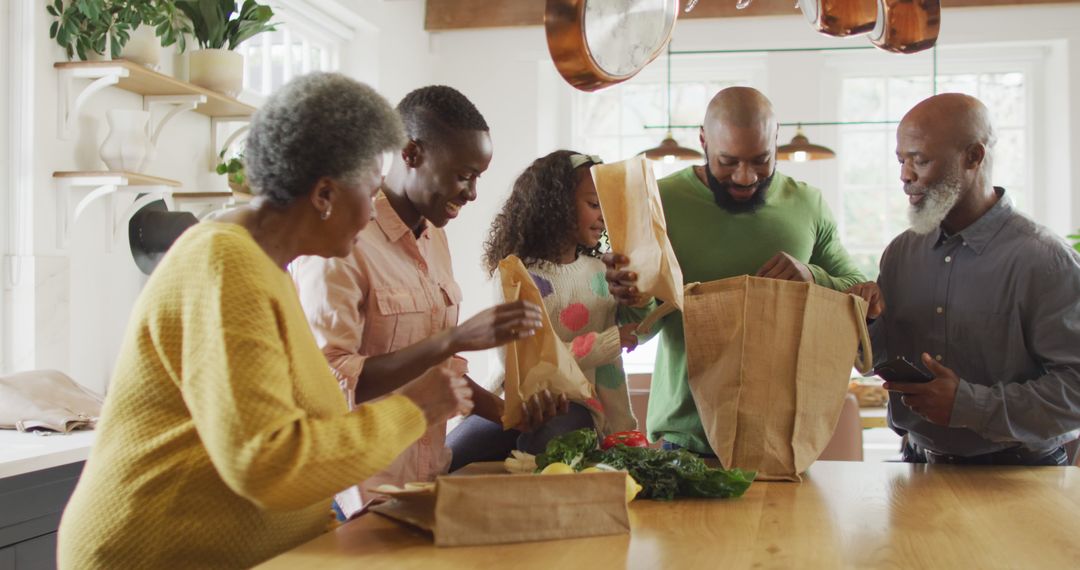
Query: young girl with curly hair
[552,222]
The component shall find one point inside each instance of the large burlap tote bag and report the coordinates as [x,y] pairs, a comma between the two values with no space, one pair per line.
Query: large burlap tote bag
[769,363]
[540,361]
[630,201]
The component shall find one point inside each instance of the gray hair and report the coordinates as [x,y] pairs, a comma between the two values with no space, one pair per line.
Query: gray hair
[319,124]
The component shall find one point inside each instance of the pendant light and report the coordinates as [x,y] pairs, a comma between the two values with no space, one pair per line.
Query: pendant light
[800,149]
[669,150]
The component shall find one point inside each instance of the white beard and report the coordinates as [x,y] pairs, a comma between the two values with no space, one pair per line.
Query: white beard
[927,215]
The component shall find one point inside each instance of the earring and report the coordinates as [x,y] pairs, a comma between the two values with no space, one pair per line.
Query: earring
[326,215]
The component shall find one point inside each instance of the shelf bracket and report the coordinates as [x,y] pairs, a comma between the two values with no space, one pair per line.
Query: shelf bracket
[120,224]
[180,104]
[102,187]
[215,150]
[65,218]
[70,103]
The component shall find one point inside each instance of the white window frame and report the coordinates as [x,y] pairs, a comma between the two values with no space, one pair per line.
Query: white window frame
[17,291]
[309,24]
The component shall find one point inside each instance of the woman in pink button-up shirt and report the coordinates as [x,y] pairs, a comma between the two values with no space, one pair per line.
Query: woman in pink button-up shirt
[389,311]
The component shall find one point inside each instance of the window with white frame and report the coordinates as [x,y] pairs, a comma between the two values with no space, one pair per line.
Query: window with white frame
[305,40]
[873,208]
[273,58]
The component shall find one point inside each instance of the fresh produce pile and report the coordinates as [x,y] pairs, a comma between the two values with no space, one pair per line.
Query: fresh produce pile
[662,474]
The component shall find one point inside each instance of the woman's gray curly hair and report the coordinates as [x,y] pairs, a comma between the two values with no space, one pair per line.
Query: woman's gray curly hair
[319,124]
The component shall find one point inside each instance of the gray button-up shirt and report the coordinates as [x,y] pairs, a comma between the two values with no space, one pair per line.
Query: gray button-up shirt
[999,304]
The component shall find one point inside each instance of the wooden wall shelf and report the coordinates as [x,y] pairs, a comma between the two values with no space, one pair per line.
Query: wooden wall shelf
[108,177]
[144,81]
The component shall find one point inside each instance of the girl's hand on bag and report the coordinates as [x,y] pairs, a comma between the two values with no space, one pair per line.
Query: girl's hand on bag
[871,293]
[621,283]
[441,393]
[627,339]
[496,326]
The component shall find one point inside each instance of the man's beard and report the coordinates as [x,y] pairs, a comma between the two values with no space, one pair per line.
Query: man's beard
[939,199]
[723,196]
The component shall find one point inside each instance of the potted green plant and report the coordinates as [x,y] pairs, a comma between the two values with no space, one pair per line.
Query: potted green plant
[106,29]
[1075,238]
[233,170]
[220,26]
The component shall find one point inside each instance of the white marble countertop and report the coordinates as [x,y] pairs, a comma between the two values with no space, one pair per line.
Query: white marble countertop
[27,452]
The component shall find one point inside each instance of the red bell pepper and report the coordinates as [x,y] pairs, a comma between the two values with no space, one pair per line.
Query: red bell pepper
[627,438]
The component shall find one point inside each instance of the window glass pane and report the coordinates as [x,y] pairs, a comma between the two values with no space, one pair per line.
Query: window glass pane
[904,93]
[252,64]
[863,99]
[599,112]
[642,105]
[1003,94]
[864,216]
[896,207]
[863,156]
[297,58]
[1009,158]
[967,83]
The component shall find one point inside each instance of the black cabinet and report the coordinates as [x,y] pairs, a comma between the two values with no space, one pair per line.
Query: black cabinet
[30,509]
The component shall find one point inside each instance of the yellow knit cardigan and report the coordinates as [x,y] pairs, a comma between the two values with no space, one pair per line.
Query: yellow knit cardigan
[224,435]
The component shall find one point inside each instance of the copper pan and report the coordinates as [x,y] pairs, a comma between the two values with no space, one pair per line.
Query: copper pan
[907,26]
[611,54]
[840,18]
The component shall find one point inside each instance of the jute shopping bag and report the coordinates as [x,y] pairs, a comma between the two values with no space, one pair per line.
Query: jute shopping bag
[630,201]
[465,510]
[538,362]
[769,363]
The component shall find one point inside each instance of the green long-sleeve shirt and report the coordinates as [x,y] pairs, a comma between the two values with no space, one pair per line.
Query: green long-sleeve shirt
[711,243]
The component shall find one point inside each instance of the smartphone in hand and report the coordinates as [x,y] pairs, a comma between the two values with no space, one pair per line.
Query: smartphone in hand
[902,370]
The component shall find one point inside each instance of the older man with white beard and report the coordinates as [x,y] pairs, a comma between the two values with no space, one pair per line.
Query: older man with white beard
[984,297]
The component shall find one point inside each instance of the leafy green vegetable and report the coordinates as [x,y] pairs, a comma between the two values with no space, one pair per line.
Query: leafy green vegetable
[664,474]
[569,448]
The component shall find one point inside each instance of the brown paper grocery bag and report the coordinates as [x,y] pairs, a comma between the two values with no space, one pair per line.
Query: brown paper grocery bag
[636,228]
[500,509]
[769,363]
[540,361]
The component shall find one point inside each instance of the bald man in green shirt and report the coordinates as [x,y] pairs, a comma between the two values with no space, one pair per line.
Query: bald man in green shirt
[734,216]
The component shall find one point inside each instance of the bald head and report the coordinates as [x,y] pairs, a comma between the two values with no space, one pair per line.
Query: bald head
[953,119]
[740,107]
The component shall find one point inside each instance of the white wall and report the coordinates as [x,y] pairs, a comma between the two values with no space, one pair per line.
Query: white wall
[69,305]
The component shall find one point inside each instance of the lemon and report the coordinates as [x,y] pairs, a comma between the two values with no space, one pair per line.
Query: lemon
[632,488]
[557,469]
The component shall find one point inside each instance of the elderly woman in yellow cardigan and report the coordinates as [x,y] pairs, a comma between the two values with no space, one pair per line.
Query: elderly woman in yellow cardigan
[224,436]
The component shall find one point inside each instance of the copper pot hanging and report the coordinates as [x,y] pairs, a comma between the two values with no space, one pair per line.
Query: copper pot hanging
[840,18]
[907,26]
[598,43]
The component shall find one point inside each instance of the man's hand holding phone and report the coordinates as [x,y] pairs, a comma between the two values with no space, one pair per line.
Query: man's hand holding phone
[930,396]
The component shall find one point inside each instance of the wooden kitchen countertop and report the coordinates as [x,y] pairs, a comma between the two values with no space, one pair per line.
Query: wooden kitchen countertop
[843,515]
